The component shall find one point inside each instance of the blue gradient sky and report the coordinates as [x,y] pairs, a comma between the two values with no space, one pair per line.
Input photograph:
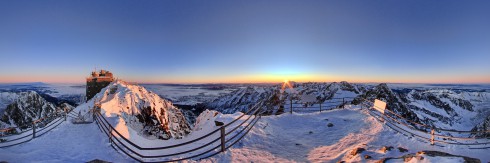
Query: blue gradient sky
[420,41]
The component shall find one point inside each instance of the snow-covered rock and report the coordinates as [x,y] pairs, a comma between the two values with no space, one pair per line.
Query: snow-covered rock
[7,98]
[246,98]
[483,126]
[143,111]
[272,97]
[27,107]
[394,102]
[327,91]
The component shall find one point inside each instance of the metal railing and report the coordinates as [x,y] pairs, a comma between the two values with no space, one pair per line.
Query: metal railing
[215,142]
[330,104]
[11,137]
[431,134]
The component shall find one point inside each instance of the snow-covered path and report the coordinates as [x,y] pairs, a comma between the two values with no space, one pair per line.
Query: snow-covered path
[66,143]
[293,138]
[307,138]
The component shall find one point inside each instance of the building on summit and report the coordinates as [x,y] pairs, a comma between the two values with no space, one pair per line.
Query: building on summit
[97,81]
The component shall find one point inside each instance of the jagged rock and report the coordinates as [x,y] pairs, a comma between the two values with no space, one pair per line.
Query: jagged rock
[367,157]
[386,148]
[483,126]
[392,99]
[357,151]
[330,125]
[28,106]
[269,97]
[402,149]
[143,111]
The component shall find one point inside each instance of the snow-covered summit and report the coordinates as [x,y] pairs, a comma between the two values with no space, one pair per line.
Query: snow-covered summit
[143,111]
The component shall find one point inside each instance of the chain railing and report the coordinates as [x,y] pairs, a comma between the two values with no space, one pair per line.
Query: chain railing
[215,142]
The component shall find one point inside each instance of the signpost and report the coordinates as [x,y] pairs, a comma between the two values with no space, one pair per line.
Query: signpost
[379,105]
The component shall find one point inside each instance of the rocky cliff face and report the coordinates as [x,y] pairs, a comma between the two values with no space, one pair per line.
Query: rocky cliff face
[483,126]
[327,91]
[246,98]
[272,97]
[27,107]
[142,110]
[394,102]
[441,108]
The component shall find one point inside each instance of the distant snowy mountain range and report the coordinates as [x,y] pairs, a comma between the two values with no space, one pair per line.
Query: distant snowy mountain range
[459,109]
[445,106]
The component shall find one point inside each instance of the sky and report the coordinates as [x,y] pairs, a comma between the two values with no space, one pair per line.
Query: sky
[395,41]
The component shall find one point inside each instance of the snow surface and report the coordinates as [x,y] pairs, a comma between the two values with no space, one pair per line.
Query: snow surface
[287,137]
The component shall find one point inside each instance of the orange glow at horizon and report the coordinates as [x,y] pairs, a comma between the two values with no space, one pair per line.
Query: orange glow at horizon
[262,78]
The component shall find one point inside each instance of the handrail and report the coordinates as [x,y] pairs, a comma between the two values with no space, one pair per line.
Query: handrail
[53,121]
[424,125]
[156,148]
[391,119]
[109,130]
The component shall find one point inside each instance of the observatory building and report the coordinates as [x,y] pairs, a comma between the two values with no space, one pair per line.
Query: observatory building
[97,81]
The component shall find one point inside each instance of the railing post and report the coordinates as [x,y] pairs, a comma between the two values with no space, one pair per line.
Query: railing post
[110,134]
[291,105]
[343,103]
[320,107]
[65,113]
[33,130]
[432,136]
[222,138]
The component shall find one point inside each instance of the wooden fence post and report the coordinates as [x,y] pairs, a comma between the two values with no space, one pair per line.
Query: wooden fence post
[291,105]
[320,107]
[432,136]
[222,138]
[33,130]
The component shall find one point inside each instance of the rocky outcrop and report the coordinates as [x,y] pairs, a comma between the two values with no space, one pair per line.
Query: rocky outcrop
[483,128]
[393,100]
[28,106]
[142,110]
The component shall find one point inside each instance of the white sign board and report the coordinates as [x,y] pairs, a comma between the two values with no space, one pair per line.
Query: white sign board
[379,105]
[308,98]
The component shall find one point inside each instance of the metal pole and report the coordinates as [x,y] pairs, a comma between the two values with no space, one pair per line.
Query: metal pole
[320,107]
[222,139]
[110,135]
[33,130]
[343,103]
[291,108]
[65,113]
